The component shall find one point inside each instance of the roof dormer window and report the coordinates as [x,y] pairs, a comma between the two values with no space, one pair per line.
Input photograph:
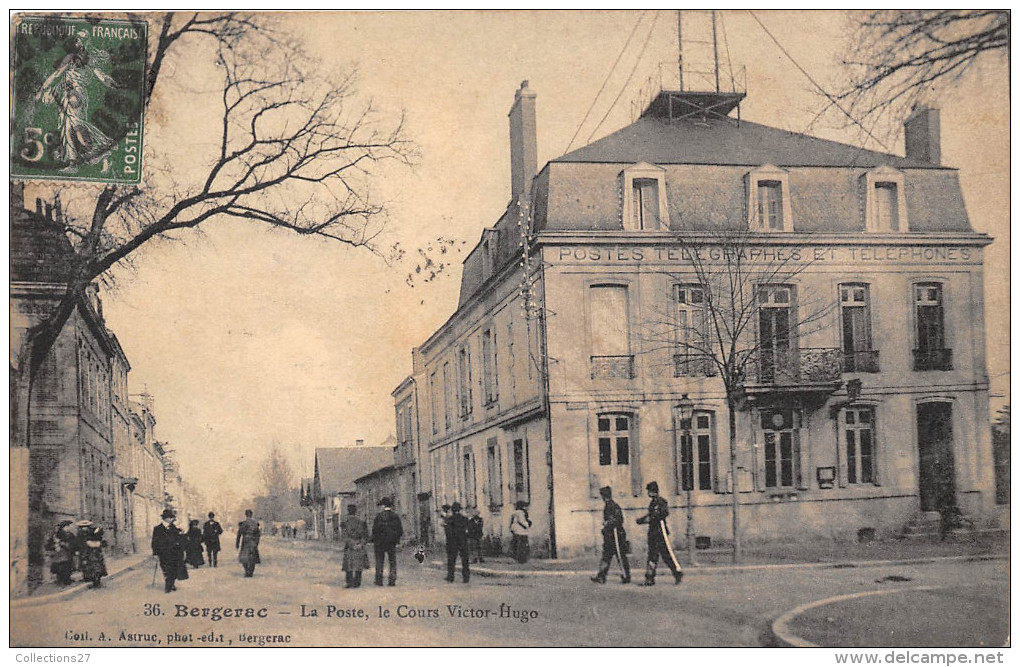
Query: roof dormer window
[885,206]
[644,198]
[768,200]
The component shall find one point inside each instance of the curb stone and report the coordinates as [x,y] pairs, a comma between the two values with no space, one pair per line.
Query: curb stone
[73,590]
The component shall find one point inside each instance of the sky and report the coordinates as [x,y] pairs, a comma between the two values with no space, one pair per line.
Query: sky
[249,338]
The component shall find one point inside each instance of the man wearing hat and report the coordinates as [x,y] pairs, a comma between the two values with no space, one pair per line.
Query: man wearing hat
[386,533]
[211,531]
[614,538]
[247,543]
[457,543]
[658,537]
[168,546]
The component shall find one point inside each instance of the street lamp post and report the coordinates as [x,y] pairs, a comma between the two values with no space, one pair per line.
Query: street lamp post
[685,406]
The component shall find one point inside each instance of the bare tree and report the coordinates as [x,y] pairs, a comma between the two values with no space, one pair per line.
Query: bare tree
[278,486]
[896,57]
[295,150]
[737,310]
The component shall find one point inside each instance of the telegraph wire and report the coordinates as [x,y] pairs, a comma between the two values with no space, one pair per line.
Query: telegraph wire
[608,75]
[623,89]
[817,85]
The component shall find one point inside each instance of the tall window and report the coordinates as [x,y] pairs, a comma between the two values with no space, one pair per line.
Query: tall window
[470,480]
[645,210]
[770,205]
[775,331]
[522,483]
[490,368]
[691,332]
[464,385]
[495,470]
[695,457]
[859,434]
[781,448]
[447,395]
[931,352]
[610,332]
[887,204]
[855,313]
[434,402]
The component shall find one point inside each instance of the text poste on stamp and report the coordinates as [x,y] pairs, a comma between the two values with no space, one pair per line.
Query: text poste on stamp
[79,93]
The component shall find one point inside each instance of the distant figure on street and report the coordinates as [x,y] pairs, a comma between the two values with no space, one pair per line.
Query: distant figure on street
[658,537]
[475,533]
[614,539]
[211,531]
[354,531]
[457,527]
[247,543]
[61,547]
[90,553]
[520,528]
[386,533]
[168,546]
[194,545]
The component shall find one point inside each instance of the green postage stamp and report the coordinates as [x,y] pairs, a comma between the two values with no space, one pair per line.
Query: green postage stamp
[78,98]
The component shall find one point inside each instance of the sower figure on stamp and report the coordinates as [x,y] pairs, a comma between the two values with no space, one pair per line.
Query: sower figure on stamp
[614,539]
[457,527]
[386,533]
[355,534]
[168,546]
[247,543]
[658,537]
[211,531]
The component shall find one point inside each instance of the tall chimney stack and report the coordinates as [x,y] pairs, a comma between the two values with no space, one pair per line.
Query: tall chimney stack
[523,141]
[922,135]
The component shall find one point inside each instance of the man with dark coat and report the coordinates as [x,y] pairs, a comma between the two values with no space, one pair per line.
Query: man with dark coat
[457,527]
[386,533]
[61,547]
[168,546]
[658,537]
[355,534]
[614,538]
[247,543]
[211,531]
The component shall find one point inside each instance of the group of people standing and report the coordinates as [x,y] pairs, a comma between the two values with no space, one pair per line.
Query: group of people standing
[176,549]
[615,544]
[385,536]
[77,546]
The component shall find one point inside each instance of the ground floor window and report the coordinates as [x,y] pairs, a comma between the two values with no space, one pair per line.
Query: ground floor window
[522,485]
[781,446]
[695,453]
[859,443]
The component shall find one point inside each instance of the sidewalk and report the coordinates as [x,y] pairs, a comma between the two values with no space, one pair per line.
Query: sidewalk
[764,556]
[51,592]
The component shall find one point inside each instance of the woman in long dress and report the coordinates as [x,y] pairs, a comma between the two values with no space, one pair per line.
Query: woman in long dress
[520,527]
[355,535]
[91,543]
[194,544]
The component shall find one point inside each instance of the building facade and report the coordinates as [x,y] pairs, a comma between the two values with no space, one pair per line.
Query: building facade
[862,400]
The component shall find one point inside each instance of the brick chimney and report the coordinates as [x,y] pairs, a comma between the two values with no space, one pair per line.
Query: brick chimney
[523,142]
[923,135]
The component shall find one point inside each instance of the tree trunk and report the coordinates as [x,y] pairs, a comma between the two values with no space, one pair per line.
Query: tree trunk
[730,404]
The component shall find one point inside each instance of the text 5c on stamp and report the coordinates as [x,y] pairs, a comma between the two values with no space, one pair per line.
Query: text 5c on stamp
[79,98]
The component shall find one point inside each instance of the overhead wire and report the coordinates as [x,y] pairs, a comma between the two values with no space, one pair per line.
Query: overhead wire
[608,76]
[637,62]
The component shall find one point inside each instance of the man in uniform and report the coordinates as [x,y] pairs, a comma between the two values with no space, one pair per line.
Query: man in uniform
[614,538]
[247,542]
[658,537]
[168,546]
[386,533]
[457,527]
[211,531]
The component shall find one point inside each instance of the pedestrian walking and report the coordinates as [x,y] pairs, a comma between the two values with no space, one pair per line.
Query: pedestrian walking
[211,531]
[520,528]
[61,547]
[386,533]
[658,537]
[354,532]
[90,553]
[457,530]
[194,545]
[168,546]
[247,544]
[614,539]
[476,529]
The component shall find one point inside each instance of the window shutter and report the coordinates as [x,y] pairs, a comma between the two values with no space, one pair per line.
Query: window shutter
[802,443]
[759,453]
[636,485]
[841,462]
[674,473]
[593,457]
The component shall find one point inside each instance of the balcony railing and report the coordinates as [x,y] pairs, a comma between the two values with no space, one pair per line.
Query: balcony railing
[938,359]
[807,365]
[692,365]
[860,361]
[612,367]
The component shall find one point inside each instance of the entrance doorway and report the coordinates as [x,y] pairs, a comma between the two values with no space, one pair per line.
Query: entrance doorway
[424,519]
[936,472]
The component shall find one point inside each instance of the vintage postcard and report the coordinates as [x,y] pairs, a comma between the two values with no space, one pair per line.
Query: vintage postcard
[644,328]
